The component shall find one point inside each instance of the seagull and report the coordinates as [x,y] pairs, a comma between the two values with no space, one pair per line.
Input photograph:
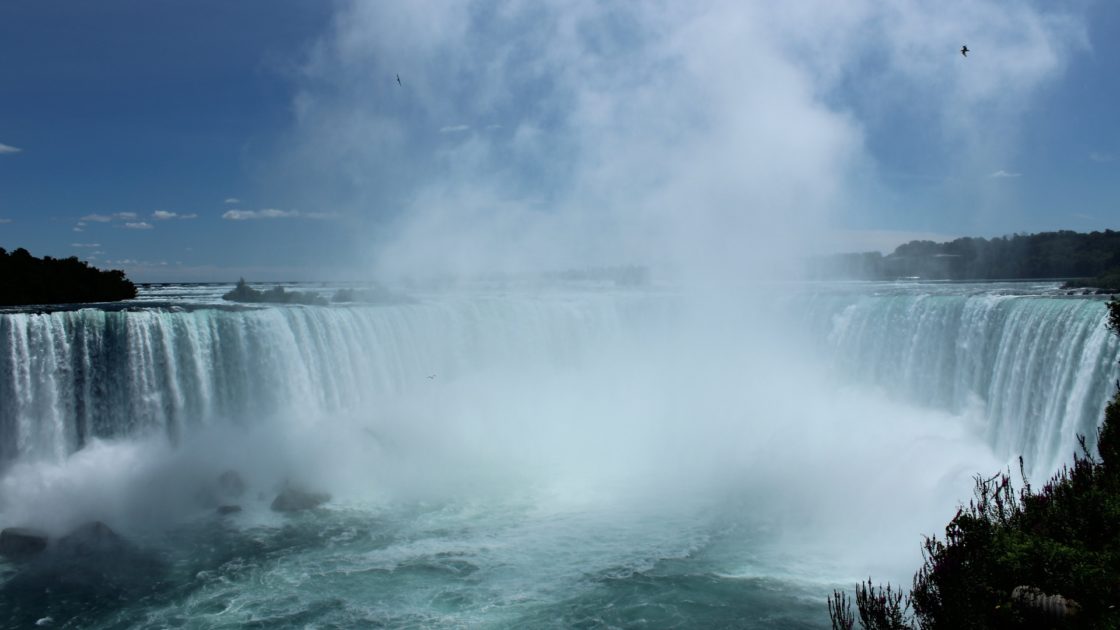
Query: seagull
[964,51]
[399,81]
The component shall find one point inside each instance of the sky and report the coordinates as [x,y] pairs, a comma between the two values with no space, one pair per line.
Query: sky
[270,139]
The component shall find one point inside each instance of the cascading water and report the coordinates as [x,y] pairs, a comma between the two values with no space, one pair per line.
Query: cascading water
[1037,369]
[66,377]
[578,457]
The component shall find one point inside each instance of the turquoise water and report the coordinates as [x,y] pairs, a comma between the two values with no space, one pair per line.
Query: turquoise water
[580,457]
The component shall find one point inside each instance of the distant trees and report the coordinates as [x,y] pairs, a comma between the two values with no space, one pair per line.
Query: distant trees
[1062,254]
[1047,558]
[25,279]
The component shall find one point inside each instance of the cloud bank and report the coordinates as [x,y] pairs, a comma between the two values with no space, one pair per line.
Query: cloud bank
[273,213]
[164,215]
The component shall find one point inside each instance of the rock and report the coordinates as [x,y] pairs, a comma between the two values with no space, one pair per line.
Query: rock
[225,490]
[295,499]
[19,543]
[92,538]
[231,485]
[228,509]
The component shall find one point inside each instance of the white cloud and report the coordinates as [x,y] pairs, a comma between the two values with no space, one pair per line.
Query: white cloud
[164,215]
[1101,157]
[232,200]
[454,128]
[106,218]
[86,245]
[141,225]
[269,213]
[77,229]
[1002,174]
[5,220]
[8,149]
[273,213]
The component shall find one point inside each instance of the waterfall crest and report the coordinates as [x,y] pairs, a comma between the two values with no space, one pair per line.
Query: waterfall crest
[1038,369]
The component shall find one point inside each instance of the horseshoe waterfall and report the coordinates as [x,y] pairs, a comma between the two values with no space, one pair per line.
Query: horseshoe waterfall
[550,456]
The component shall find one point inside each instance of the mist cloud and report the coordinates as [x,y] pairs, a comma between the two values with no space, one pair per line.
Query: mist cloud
[707,137]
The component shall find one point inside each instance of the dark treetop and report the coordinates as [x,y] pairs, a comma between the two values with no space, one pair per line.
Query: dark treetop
[26,280]
[1062,254]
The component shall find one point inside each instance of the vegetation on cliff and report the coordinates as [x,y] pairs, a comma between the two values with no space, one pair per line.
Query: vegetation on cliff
[1046,558]
[27,280]
[1094,257]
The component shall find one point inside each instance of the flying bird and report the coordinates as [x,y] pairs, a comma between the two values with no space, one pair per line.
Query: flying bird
[431,376]
[399,81]
[964,51]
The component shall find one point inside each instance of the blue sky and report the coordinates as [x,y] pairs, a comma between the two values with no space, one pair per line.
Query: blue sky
[208,140]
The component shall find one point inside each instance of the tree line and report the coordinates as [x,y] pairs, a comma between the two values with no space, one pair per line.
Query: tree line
[25,279]
[1061,254]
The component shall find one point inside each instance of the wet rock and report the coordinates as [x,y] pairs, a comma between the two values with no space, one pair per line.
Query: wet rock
[19,543]
[90,569]
[231,485]
[294,499]
[92,538]
[228,509]
[225,490]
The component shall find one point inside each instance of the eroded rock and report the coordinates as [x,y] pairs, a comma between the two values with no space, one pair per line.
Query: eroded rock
[19,543]
[294,499]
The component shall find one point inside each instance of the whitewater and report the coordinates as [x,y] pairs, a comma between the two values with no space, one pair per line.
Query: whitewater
[524,454]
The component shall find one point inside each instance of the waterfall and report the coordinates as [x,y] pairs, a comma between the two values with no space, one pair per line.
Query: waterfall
[1038,369]
[67,377]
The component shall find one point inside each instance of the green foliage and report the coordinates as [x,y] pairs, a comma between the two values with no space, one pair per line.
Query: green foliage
[1020,558]
[25,279]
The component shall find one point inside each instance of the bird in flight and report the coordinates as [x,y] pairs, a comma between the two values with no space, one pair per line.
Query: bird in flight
[431,376]
[399,81]
[964,51]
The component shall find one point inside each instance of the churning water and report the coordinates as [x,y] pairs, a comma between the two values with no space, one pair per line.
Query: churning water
[523,456]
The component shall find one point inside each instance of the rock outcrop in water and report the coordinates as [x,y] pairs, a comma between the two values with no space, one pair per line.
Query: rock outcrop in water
[91,569]
[276,295]
[293,498]
[20,543]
